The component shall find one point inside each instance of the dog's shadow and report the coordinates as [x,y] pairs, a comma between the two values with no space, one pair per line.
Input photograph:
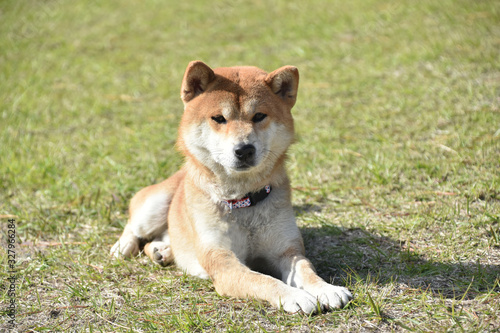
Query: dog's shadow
[358,254]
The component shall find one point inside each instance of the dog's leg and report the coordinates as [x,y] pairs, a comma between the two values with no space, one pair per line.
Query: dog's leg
[297,271]
[232,278]
[148,220]
[159,250]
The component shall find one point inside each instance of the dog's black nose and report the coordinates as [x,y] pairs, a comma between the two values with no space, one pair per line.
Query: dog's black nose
[245,153]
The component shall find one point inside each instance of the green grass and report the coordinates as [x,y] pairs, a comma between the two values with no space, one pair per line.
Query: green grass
[396,167]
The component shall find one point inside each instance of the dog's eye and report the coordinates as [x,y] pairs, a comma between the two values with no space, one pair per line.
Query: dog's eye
[259,117]
[219,119]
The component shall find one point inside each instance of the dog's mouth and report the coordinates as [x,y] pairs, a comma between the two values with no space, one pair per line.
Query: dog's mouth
[244,166]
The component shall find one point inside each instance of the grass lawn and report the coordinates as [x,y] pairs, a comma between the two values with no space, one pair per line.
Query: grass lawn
[395,170]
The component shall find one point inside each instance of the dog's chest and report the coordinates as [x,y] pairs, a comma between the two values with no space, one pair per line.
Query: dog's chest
[239,230]
[244,228]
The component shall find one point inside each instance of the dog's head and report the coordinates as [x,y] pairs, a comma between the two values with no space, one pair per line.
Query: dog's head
[237,120]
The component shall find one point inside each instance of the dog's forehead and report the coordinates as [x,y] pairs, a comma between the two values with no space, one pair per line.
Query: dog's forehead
[241,74]
[243,87]
[240,80]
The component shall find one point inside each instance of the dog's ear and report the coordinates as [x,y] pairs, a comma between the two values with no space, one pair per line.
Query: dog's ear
[196,79]
[284,82]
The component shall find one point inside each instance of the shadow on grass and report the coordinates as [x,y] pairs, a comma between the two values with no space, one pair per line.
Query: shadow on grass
[357,254]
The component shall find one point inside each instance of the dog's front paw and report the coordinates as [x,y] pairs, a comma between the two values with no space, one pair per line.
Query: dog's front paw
[127,248]
[332,297]
[298,300]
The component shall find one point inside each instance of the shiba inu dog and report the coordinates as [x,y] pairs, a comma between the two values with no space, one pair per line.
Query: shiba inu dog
[227,214]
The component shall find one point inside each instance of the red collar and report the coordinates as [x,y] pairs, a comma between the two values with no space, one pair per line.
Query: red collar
[250,199]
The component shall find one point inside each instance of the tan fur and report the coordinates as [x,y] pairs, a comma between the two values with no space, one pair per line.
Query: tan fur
[184,218]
